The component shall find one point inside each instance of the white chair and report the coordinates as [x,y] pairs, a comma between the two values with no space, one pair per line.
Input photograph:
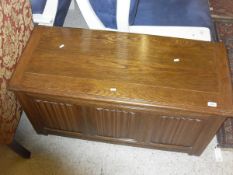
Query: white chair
[47,17]
[198,32]
[50,12]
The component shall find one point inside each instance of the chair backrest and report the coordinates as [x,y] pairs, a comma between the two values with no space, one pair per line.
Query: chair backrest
[142,16]
[15,28]
[89,15]
[107,15]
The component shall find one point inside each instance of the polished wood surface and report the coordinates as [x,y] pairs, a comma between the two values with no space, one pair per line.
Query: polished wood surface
[137,66]
[134,89]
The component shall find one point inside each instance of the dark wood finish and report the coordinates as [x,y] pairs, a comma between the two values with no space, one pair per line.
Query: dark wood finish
[124,88]
[19,149]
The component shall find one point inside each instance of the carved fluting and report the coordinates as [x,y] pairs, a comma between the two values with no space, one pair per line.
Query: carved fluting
[181,131]
[115,123]
[60,115]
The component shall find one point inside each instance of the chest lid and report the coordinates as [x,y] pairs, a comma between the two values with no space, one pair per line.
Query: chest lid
[127,68]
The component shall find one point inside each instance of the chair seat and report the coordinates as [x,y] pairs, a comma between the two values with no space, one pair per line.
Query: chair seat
[173,13]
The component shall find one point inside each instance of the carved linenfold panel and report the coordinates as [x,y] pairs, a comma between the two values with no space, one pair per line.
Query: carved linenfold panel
[120,124]
[180,131]
[60,115]
[115,123]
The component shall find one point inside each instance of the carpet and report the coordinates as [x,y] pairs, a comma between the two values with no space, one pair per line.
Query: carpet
[224,32]
[55,155]
[222,13]
[221,9]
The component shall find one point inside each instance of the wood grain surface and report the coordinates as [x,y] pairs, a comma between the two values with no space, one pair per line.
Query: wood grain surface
[132,89]
[139,69]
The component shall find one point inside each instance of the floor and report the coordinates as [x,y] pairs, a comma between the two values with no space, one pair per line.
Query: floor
[222,13]
[55,155]
[74,18]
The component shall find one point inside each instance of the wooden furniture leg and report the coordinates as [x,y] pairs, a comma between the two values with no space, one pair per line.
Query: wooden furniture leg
[19,149]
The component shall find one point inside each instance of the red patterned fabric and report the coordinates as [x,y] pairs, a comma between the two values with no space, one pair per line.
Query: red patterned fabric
[15,28]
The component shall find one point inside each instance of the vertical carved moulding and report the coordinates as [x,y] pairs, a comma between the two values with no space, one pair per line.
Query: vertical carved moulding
[180,131]
[60,115]
[115,123]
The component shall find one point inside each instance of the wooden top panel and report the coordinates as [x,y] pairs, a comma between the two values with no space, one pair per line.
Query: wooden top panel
[128,68]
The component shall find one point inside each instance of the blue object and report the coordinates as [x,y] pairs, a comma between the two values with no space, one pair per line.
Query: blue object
[62,9]
[173,13]
[157,13]
[106,11]
[38,6]
[133,10]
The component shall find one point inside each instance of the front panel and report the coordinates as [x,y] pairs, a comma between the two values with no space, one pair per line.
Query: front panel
[108,122]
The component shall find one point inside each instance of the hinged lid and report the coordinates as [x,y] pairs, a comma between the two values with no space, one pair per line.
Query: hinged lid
[128,68]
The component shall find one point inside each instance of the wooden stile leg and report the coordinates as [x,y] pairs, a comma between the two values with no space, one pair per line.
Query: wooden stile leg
[19,149]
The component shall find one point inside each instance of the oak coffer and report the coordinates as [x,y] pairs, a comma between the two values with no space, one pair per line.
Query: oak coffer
[132,89]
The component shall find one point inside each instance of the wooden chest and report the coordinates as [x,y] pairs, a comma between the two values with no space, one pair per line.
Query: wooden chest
[139,90]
